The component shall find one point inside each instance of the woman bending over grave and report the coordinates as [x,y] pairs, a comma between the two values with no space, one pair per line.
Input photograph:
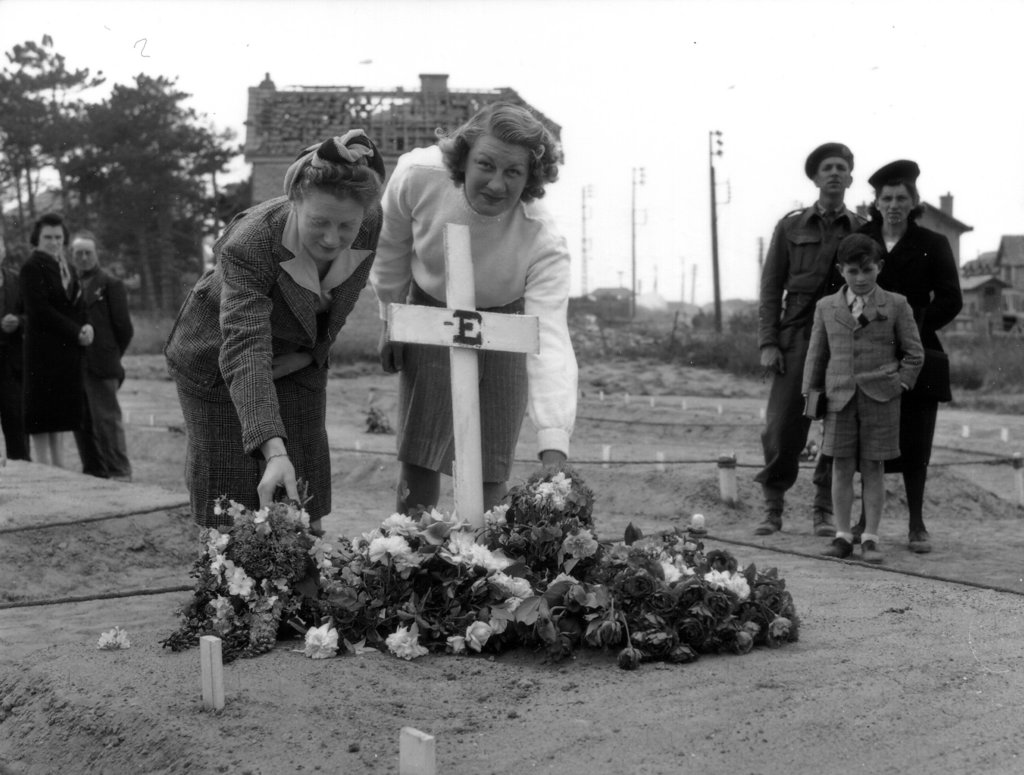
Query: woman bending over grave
[488,175]
[248,352]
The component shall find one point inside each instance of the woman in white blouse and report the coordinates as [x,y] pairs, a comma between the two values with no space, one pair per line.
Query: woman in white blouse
[488,175]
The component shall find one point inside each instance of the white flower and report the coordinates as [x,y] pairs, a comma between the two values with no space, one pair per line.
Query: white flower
[221,608]
[216,542]
[462,549]
[239,582]
[399,524]
[496,516]
[114,639]
[510,587]
[218,566]
[362,542]
[395,546]
[733,582]
[321,642]
[456,644]
[404,643]
[672,573]
[554,492]
[477,635]
[261,516]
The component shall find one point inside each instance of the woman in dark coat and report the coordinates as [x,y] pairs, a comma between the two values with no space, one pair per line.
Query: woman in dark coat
[249,350]
[56,332]
[918,264]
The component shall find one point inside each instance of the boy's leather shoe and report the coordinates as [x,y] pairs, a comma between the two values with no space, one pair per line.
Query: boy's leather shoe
[869,553]
[839,548]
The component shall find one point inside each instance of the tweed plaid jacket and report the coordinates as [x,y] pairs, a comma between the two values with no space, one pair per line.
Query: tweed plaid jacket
[247,310]
[878,353]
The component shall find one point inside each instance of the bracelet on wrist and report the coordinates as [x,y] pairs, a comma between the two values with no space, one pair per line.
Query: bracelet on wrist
[276,454]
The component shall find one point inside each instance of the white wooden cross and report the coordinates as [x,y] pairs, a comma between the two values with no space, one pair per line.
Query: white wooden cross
[465,330]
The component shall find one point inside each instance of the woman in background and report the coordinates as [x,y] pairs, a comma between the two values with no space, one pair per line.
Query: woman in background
[919,264]
[56,332]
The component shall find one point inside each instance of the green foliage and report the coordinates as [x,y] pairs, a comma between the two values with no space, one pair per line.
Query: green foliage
[138,167]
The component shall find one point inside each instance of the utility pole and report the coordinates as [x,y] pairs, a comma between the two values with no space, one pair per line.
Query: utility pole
[715,149]
[588,193]
[638,179]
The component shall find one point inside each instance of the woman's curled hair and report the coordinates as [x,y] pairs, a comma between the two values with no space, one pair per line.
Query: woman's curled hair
[510,124]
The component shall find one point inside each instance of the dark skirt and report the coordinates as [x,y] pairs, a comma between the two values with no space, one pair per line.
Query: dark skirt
[53,401]
[216,463]
[426,435]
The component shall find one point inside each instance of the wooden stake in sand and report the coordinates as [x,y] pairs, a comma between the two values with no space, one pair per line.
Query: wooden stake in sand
[1018,476]
[727,479]
[416,754]
[212,672]
[465,330]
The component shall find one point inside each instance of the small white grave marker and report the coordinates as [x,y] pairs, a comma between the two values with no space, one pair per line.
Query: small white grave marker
[212,672]
[464,329]
[661,461]
[727,479]
[606,454]
[416,753]
[966,431]
[1004,434]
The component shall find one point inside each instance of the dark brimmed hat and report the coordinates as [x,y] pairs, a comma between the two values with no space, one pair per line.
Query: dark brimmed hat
[822,152]
[899,171]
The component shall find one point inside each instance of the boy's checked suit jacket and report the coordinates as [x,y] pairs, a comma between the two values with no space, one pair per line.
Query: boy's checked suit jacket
[878,352]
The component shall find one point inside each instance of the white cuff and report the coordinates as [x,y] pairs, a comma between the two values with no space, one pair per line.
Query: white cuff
[553,438]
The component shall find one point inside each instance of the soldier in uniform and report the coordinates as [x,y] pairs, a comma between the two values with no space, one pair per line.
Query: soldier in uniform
[799,270]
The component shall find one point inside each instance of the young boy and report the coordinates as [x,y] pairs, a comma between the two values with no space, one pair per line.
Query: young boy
[864,352]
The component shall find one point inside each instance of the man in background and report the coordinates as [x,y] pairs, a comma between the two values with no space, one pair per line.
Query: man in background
[12,324]
[101,439]
[798,270]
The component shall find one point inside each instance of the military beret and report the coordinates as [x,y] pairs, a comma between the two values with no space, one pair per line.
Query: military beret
[899,171]
[822,152]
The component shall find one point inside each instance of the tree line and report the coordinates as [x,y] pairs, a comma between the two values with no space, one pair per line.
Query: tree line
[138,168]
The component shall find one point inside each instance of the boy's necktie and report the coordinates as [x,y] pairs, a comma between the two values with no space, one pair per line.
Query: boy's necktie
[857,308]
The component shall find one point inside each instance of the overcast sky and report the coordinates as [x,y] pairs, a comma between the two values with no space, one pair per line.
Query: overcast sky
[633,84]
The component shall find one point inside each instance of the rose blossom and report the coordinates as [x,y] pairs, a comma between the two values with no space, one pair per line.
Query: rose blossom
[404,643]
[581,545]
[456,644]
[477,634]
[509,586]
[672,573]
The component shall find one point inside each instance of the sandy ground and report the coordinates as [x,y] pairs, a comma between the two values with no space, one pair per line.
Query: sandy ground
[912,667]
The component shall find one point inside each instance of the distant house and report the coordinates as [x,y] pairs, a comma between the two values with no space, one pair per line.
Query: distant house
[998,275]
[983,303]
[281,122]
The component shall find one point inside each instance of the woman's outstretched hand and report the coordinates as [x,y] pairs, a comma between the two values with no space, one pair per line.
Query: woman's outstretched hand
[279,473]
